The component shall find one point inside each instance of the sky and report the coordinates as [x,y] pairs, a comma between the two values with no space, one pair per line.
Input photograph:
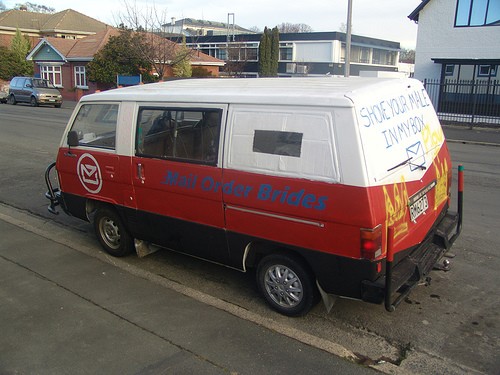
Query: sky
[383,19]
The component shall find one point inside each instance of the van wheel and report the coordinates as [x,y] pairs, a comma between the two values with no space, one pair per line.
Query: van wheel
[111,233]
[33,102]
[286,284]
[12,100]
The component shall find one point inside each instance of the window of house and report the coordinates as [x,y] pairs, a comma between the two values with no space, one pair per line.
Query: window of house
[96,125]
[477,13]
[487,71]
[52,73]
[180,134]
[80,77]
[449,69]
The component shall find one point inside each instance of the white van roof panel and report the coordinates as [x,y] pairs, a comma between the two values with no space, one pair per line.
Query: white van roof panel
[317,91]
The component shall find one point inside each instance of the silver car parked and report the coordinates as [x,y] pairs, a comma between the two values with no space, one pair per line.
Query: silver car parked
[34,91]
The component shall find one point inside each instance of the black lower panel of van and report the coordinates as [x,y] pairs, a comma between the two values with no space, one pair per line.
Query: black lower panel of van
[414,264]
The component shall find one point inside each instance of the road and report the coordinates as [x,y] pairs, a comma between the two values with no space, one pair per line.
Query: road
[451,326]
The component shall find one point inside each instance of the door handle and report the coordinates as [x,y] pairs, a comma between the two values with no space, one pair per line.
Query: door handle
[140,172]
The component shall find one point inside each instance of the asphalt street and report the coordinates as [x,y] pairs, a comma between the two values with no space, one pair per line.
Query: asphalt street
[66,310]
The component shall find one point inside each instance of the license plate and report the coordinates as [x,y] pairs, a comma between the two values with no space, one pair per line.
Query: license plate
[52,100]
[419,207]
[419,203]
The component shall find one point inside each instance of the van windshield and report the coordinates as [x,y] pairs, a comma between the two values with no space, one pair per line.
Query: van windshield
[43,83]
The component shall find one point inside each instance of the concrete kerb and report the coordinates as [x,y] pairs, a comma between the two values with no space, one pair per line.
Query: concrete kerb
[55,232]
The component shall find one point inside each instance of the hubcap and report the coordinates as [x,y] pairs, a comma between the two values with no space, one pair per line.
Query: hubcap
[283,286]
[110,233]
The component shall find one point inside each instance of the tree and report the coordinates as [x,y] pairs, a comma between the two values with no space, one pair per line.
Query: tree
[269,53]
[407,56]
[2,6]
[275,52]
[182,64]
[31,7]
[7,64]
[237,58]
[157,50]
[20,47]
[287,27]
[121,55]
[265,54]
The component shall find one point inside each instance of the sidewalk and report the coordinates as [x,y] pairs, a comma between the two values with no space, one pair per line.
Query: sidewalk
[463,134]
[65,312]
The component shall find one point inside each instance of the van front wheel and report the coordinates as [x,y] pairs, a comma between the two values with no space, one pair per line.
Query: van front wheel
[111,233]
[33,102]
[286,284]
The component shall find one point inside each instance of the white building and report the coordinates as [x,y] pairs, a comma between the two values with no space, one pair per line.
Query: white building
[457,39]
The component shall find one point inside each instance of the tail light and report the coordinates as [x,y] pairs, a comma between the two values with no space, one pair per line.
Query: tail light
[371,242]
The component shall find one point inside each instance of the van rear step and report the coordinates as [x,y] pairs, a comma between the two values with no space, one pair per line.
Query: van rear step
[405,275]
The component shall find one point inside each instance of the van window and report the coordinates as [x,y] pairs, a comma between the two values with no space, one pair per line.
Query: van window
[277,142]
[283,142]
[96,125]
[190,135]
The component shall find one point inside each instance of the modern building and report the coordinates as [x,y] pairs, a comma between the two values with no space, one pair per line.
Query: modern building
[315,53]
[192,27]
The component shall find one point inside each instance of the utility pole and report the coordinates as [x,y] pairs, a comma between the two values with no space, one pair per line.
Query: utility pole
[347,67]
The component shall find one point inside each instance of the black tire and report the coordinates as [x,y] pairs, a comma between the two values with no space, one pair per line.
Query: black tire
[33,102]
[12,100]
[111,232]
[286,284]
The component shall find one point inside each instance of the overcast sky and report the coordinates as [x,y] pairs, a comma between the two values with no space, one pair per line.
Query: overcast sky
[384,19]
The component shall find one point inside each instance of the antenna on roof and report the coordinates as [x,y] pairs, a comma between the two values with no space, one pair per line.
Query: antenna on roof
[230,27]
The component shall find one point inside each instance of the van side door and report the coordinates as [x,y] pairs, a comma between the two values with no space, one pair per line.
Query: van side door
[177,177]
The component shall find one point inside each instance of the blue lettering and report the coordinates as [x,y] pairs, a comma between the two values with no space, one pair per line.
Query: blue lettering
[207,183]
[321,203]
[264,192]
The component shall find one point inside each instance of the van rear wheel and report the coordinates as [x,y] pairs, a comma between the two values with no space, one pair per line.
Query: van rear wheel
[12,100]
[111,232]
[286,284]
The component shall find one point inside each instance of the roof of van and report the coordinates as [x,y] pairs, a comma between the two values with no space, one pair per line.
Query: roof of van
[319,91]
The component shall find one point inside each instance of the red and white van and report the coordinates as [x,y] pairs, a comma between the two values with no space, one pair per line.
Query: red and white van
[325,186]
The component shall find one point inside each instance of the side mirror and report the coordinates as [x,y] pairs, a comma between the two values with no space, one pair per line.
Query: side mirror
[73,139]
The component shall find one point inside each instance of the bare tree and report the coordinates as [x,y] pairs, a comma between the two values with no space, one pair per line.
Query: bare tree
[287,27]
[237,58]
[159,51]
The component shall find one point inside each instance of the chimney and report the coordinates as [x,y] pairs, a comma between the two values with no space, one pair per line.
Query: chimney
[173,21]
[24,8]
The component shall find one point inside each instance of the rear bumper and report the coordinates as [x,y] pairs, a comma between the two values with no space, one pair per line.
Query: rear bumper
[401,277]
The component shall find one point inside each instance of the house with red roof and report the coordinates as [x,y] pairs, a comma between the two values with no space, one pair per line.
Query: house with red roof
[64,62]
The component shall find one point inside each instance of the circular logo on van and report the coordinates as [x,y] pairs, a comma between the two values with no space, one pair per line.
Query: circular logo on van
[89,173]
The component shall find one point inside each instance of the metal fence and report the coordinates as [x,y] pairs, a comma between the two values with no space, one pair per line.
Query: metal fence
[475,102]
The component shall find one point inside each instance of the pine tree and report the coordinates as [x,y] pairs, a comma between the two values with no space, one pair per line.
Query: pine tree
[275,52]
[20,48]
[265,54]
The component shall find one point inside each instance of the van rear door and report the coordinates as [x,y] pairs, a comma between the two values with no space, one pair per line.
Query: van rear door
[407,160]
